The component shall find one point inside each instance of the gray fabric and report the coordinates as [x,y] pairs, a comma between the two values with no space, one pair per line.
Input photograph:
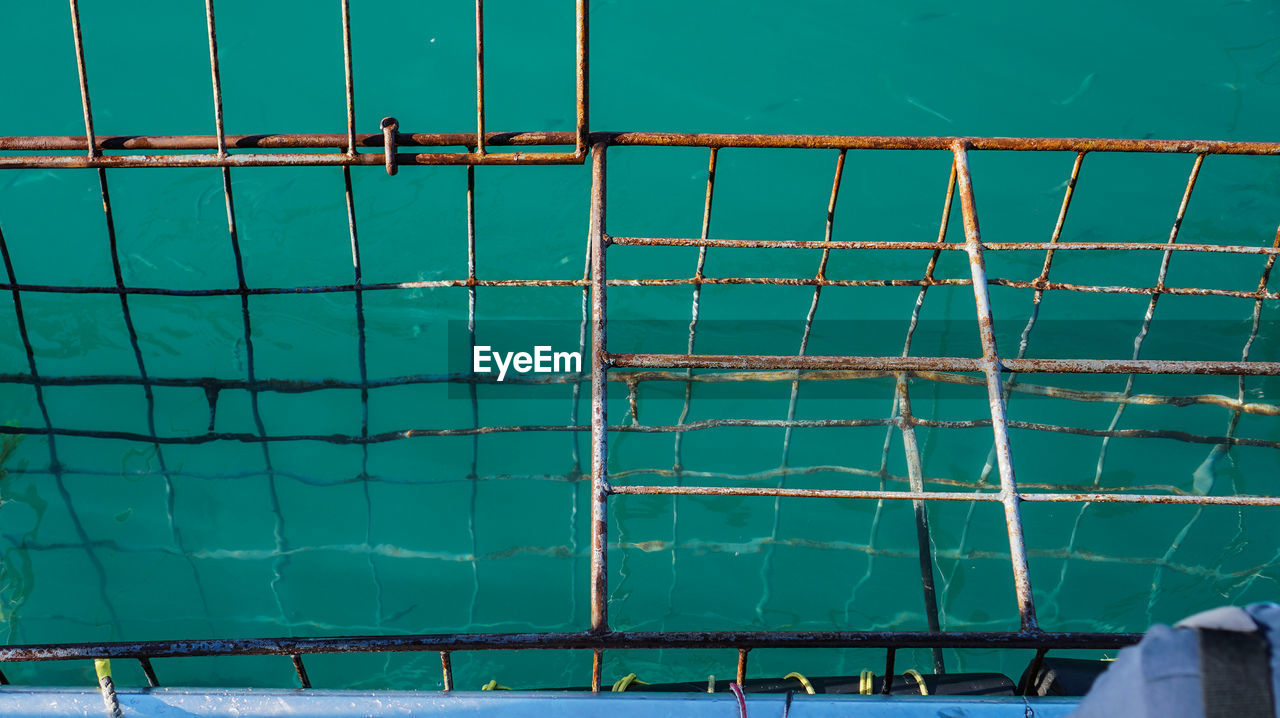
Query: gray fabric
[1224,618]
[1235,674]
[1160,677]
[1268,617]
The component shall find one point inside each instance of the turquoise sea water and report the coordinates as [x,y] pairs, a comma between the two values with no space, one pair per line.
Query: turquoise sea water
[449,534]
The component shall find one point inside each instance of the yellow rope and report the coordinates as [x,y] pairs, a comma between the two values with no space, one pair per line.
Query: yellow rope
[102,667]
[711,683]
[625,682]
[864,682]
[808,687]
[493,686]
[919,680]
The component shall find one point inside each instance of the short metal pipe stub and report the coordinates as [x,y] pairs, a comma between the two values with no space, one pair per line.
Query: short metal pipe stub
[389,128]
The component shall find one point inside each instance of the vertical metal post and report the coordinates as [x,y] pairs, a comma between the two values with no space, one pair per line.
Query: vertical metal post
[480,77]
[924,547]
[995,391]
[301,670]
[599,425]
[472,476]
[597,668]
[446,668]
[149,671]
[82,70]
[349,76]
[217,80]
[678,466]
[582,78]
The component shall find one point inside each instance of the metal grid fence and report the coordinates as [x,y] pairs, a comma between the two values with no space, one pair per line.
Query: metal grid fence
[999,371]
[389,137]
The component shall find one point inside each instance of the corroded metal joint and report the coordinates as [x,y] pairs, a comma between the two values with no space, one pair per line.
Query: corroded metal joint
[389,128]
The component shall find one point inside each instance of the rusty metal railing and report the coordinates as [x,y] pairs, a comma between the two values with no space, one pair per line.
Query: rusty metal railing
[999,372]
[388,137]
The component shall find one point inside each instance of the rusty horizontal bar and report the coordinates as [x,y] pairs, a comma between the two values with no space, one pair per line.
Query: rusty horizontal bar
[938,282]
[474,156]
[1141,366]
[334,141]
[947,364]
[307,159]
[1184,499]
[650,139]
[872,142]
[1115,289]
[993,496]
[642,490]
[564,640]
[759,361]
[933,246]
